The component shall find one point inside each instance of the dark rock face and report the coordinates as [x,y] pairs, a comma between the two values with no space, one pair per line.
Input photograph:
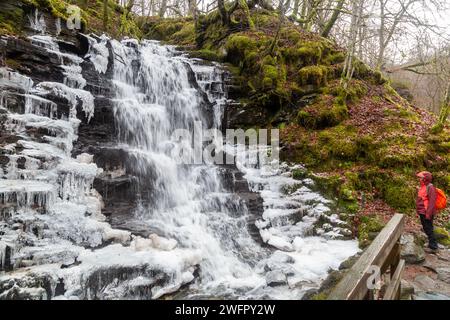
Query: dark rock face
[235,182]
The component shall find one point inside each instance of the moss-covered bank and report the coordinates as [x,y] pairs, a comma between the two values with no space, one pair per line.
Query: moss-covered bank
[14,16]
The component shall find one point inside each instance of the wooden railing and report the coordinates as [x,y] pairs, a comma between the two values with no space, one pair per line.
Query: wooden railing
[382,255]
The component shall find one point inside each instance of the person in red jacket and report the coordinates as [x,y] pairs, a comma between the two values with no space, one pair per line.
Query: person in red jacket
[425,204]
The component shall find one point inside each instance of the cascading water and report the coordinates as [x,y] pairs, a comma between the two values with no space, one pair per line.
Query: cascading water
[200,224]
[189,203]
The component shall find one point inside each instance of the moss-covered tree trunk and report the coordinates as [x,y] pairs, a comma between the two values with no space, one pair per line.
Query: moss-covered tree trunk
[336,12]
[282,10]
[445,111]
[223,13]
[295,9]
[105,15]
[244,6]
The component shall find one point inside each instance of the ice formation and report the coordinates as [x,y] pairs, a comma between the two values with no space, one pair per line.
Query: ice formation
[37,21]
[99,53]
[72,248]
[61,244]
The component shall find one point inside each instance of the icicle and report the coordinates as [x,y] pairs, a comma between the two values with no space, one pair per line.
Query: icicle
[39,106]
[15,80]
[58,26]
[99,53]
[27,193]
[37,22]
[72,95]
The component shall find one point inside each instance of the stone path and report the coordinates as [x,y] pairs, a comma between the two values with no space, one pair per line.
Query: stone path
[427,276]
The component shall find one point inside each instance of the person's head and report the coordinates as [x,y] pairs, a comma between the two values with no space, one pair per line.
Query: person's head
[425,177]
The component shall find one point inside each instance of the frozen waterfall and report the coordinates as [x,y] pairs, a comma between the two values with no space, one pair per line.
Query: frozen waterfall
[51,216]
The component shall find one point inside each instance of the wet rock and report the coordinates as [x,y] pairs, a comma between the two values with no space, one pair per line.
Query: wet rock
[411,252]
[276,278]
[347,264]
[425,281]
[244,116]
[430,296]
[407,290]
[443,274]
[326,287]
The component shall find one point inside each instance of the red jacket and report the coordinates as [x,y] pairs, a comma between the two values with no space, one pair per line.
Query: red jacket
[426,198]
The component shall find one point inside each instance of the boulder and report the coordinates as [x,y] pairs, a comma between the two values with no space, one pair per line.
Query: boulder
[411,252]
[275,278]
[443,274]
[425,282]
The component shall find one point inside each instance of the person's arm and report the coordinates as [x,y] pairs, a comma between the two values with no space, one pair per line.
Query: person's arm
[431,201]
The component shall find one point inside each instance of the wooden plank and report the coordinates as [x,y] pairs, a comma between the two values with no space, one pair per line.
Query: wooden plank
[394,287]
[354,284]
[392,260]
[396,258]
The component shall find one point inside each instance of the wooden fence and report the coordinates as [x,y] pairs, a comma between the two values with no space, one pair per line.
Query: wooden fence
[382,255]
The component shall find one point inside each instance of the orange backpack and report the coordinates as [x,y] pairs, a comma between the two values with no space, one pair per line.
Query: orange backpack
[441,199]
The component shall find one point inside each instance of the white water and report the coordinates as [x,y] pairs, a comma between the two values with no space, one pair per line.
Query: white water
[190,203]
[200,222]
[51,216]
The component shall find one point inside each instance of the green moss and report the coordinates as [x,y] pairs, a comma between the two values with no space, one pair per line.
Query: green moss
[307,53]
[269,60]
[206,55]
[238,47]
[340,141]
[322,114]
[442,236]
[352,93]
[299,174]
[367,228]
[164,29]
[127,26]
[319,296]
[401,151]
[185,36]
[316,75]
[292,35]
[13,64]
[397,192]
[334,58]
[11,21]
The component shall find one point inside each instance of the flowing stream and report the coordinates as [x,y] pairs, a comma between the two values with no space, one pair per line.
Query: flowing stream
[202,236]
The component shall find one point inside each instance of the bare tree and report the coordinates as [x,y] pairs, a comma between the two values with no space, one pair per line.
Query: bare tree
[354,37]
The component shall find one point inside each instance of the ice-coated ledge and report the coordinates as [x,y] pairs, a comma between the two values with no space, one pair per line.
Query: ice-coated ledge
[96,274]
[25,186]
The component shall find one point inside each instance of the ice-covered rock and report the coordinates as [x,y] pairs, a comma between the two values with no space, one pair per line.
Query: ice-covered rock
[99,53]
[72,95]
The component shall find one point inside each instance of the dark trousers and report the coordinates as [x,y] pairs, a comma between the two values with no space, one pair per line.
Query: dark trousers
[429,231]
